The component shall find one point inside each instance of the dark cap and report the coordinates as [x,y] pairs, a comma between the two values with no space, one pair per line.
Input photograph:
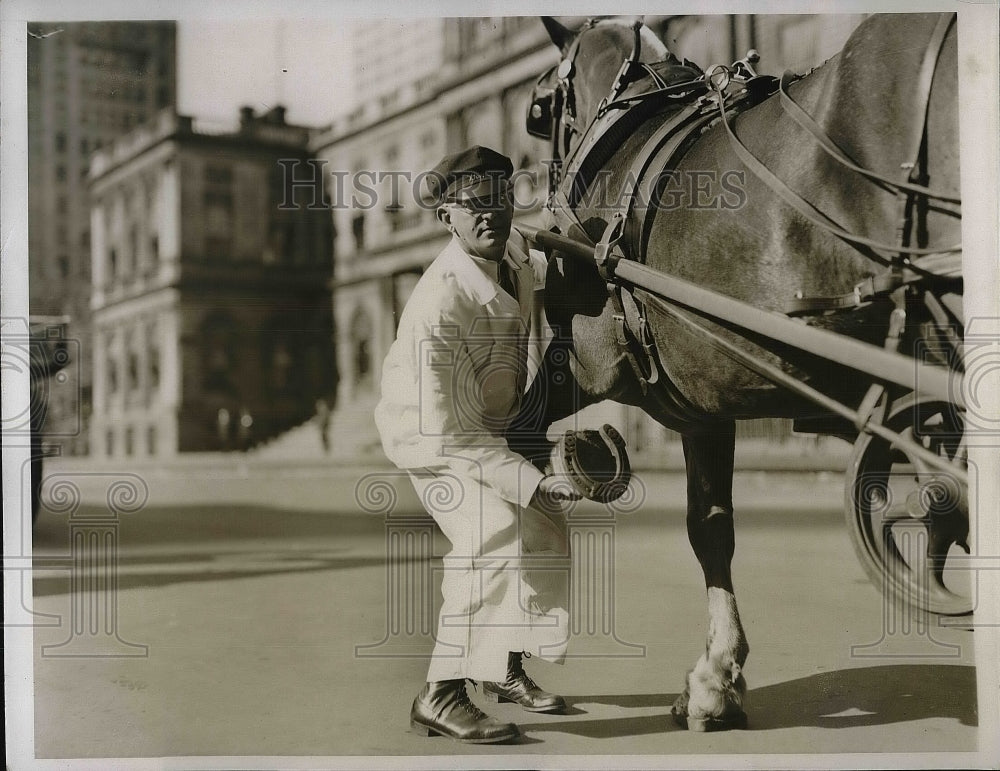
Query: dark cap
[472,173]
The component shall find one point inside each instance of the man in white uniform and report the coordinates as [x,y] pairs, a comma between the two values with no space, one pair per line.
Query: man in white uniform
[451,383]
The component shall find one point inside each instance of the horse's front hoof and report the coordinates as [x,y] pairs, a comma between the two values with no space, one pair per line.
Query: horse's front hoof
[736,720]
[732,719]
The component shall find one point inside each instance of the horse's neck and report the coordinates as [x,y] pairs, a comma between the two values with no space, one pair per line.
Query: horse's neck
[868,98]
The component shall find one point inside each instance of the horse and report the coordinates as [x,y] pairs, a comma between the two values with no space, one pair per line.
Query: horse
[750,245]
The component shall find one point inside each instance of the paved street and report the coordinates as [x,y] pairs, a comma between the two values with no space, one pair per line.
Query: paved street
[251,614]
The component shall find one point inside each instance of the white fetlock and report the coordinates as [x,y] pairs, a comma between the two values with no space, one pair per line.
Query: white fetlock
[716,693]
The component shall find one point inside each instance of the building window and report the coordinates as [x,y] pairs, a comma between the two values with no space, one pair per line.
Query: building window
[401,219]
[152,358]
[218,175]
[363,360]
[281,365]
[112,377]
[154,367]
[218,202]
[154,247]
[133,370]
[112,264]
[133,247]
[60,142]
[61,173]
[218,228]
[151,440]
[109,443]
[129,441]
[358,228]
[219,347]
[63,266]
[361,335]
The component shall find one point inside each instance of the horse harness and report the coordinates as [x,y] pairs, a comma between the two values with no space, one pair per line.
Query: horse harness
[690,102]
[675,91]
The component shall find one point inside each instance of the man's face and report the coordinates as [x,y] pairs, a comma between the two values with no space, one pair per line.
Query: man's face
[482,225]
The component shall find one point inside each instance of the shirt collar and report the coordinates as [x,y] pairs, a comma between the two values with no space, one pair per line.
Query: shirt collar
[478,274]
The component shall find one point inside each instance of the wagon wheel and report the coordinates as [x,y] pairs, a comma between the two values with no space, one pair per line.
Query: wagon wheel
[909,522]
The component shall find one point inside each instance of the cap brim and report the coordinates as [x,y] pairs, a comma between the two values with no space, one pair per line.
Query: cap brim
[484,188]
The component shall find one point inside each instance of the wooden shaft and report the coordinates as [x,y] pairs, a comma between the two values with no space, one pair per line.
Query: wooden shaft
[868,359]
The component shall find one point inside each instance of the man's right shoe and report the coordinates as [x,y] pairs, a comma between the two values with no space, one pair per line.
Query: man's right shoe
[444,708]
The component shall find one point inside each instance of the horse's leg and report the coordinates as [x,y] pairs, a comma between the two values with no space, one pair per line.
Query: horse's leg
[715,689]
[554,394]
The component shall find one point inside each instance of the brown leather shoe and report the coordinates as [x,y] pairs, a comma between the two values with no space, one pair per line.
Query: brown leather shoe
[521,689]
[444,708]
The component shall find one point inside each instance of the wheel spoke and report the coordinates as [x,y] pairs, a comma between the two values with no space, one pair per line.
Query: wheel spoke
[908,511]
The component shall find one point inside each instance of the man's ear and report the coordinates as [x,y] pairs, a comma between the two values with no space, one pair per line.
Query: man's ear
[444,216]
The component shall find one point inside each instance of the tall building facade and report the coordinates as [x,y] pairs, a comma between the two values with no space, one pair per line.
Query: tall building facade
[386,234]
[394,56]
[479,95]
[211,283]
[88,83]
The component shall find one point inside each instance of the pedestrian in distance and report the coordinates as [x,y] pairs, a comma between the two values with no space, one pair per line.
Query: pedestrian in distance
[452,382]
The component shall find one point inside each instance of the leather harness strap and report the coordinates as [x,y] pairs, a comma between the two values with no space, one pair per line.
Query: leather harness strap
[670,141]
[806,121]
[867,246]
[909,190]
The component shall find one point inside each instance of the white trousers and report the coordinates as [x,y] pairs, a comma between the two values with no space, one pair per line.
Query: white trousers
[505,585]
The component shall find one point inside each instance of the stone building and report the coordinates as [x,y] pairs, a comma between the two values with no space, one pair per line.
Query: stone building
[88,83]
[210,292]
[479,95]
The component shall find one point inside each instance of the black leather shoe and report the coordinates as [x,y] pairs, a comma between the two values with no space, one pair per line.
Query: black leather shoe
[443,708]
[521,689]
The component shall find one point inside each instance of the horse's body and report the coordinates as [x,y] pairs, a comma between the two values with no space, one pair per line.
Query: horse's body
[759,251]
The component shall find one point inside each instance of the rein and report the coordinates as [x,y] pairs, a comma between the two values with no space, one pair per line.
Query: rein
[869,247]
[718,101]
[576,158]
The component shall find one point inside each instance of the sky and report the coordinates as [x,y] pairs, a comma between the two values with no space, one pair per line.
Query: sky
[303,64]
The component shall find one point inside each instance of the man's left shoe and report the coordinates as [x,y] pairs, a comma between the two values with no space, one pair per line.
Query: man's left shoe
[521,689]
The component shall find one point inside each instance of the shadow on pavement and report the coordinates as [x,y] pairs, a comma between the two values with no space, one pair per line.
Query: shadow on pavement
[617,727]
[631,700]
[184,524]
[867,696]
[264,565]
[846,698]
[213,543]
[612,728]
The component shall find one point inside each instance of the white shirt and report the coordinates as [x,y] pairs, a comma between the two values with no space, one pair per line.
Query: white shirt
[455,376]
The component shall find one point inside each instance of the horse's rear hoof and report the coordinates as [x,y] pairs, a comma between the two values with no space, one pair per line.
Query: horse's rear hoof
[706,724]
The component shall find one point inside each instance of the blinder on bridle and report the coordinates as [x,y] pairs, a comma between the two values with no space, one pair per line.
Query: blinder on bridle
[552,98]
[540,120]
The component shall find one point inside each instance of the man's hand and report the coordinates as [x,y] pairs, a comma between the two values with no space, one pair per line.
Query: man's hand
[552,492]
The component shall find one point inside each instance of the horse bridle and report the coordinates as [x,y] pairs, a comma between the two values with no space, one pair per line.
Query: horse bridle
[559,100]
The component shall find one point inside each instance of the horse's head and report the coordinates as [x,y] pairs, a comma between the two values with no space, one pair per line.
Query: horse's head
[594,59]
